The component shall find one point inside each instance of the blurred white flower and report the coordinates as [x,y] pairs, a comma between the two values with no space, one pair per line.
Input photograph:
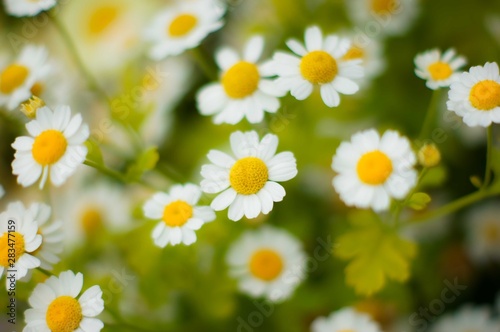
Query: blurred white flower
[439,70]
[482,233]
[467,319]
[27,7]
[346,319]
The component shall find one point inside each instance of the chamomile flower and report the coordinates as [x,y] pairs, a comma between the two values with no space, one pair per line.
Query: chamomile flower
[439,70]
[320,63]
[178,214]
[466,319]
[346,319]
[18,78]
[483,233]
[27,7]
[18,240]
[183,26]
[475,96]
[243,90]
[55,148]
[382,17]
[56,306]
[247,182]
[369,52]
[268,262]
[372,169]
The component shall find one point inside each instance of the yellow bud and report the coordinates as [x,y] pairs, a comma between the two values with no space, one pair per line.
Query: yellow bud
[429,155]
[30,106]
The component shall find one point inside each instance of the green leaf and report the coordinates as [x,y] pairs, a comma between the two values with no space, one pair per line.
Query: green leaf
[146,161]
[94,152]
[375,254]
[435,177]
[419,201]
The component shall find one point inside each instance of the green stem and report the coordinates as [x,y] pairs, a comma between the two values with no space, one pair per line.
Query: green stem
[208,69]
[47,273]
[400,206]
[489,151]
[107,171]
[70,45]
[430,116]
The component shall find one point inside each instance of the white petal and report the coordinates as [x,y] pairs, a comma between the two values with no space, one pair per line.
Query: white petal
[223,200]
[252,206]
[296,47]
[329,95]
[235,211]
[313,39]
[253,49]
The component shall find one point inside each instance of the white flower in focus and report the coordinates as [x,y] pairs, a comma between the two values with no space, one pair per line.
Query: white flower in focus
[344,320]
[248,182]
[243,90]
[22,8]
[372,169]
[319,63]
[439,70]
[54,150]
[57,307]
[268,263]
[178,214]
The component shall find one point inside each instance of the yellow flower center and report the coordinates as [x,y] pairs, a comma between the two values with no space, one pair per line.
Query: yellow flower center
[101,19]
[248,175]
[64,314]
[354,53]
[318,67]
[491,233]
[383,6]
[14,242]
[266,264]
[182,25]
[91,220]
[177,213]
[49,147]
[374,167]
[485,95]
[37,89]
[440,70]
[241,80]
[13,77]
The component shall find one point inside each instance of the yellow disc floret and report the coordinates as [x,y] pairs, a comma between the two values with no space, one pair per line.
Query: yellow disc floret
[374,167]
[11,246]
[266,264]
[485,95]
[177,213]
[248,175]
[49,147]
[383,6]
[101,19]
[30,107]
[241,80]
[13,77]
[429,155]
[92,220]
[440,70]
[182,25]
[318,67]
[354,53]
[64,314]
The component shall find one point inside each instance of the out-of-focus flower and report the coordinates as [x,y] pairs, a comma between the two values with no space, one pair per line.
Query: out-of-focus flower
[19,78]
[379,18]
[178,214]
[466,319]
[55,306]
[18,240]
[243,90]
[22,8]
[249,181]
[319,63]
[346,319]
[429,155]
[483,233]
[439,70]
[370,52]
[372,169]
[476,95]
[183,26]
[268,263]
[55,147]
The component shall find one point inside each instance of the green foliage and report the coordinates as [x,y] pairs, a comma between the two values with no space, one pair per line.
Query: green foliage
[419,201]
[146,161]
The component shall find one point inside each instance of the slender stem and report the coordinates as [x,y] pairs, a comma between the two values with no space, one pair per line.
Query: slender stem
[107,171]
[70,45]
[430,116]
[400,206]
[208,69]
[46,272]
[489,151]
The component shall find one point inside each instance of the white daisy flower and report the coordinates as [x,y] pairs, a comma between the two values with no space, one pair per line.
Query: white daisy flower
[55,306]
[476,95]
[56,147]
[183,26]
[18,241]
[268,262]
[18,78]
[483,233]
[248,182]
[378,18]
[343,320]
[319,63]
[467,319]
[372,169]
[243,90]
[178,214]
[439,70]
[27,7]
[371,55]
